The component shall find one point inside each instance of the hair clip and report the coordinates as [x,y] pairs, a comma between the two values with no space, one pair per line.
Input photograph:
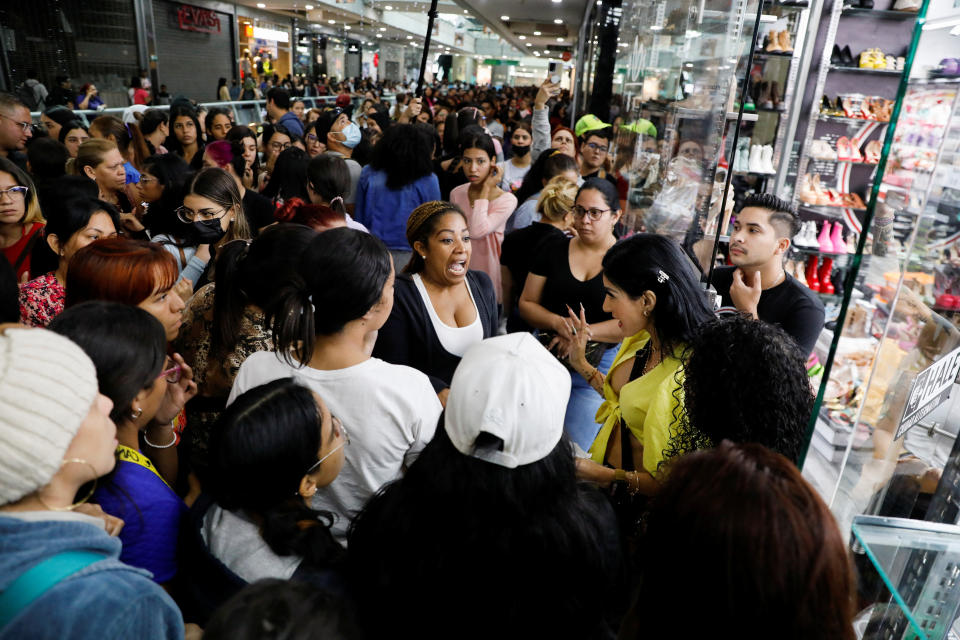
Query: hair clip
[661,276]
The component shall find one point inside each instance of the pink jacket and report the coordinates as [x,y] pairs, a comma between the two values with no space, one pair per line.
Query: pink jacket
[486,221]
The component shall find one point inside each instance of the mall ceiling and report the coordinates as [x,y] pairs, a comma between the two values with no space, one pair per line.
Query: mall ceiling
[536,25]
[529,25]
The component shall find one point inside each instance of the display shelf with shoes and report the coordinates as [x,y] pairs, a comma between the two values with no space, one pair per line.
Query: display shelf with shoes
[879,14]
[880,72]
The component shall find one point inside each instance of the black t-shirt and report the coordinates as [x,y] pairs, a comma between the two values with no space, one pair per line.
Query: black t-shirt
[790,305]
[258,209]
[517,252]
[562,289]
[609,177]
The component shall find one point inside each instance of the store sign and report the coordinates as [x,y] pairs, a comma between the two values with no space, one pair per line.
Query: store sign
[929,390]
[271,34]
[196,19]
[493,62]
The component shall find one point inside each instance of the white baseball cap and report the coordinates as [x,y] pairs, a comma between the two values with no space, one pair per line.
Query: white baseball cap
[513,388]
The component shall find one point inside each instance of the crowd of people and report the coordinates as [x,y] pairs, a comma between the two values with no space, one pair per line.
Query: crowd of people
[304,377]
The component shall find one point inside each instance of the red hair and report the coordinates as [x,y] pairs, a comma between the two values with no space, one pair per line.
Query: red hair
[119,270]
[316,216]
[576,142]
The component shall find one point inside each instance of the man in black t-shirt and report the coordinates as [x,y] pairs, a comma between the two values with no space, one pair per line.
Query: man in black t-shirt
[757,283]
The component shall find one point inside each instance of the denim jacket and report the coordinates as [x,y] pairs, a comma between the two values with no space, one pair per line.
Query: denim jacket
[102,601]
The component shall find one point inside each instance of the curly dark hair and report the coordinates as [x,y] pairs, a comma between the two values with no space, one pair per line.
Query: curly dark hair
[405,153]
[745,381]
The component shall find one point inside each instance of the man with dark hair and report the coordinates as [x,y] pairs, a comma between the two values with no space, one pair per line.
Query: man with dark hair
[15,129]
[341,136]
[595,136]
[61,94]
[757,284]
[278,107]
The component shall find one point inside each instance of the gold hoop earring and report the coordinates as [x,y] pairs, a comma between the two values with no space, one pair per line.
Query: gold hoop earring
[90,493]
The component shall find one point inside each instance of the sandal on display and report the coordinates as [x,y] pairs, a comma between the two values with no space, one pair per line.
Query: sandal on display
[872,152]
[785,44]
[821,150]
[907,5]
[853,201]
[843,149]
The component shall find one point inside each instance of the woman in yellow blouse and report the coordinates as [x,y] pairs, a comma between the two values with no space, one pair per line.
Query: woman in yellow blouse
[653,291]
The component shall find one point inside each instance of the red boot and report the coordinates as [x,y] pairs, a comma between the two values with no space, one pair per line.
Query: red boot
[826,269]
[812,280]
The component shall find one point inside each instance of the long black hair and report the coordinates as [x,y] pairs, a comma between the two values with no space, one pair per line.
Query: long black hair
[127,345]
[289,177]
[263,445]
[64,219]
[329,177]
[549,164]
[340,277]
[236,134]
[752,355]
[405,153]
[173,143]
[650,262]
[248,272]
[174,174]
[449,510]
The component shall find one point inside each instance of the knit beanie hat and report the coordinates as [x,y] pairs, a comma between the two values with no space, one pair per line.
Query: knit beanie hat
[47,386]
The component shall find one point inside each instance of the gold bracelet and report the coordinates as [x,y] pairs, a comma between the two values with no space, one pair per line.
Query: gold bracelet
[619,475]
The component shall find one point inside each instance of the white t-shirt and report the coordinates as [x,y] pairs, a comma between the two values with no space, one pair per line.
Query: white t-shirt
[512,176]
[389,411]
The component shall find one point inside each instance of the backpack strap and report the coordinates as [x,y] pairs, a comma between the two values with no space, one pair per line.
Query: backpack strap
[38,579]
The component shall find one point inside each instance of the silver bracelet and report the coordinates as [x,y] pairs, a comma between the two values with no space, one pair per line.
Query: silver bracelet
[166,446]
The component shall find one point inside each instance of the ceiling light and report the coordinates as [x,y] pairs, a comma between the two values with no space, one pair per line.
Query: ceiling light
[557,21]
[409,37]
[523,37]
[536,53]
[465,11]
[383,28]
[260,5]
[347,27]
[388,8]
[529,44]
[536,33]
[331,22]
[379,35]
[308,7]
[559,39]
[504,18]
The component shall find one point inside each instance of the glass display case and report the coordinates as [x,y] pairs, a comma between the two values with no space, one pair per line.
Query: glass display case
[883,440]
[675,103]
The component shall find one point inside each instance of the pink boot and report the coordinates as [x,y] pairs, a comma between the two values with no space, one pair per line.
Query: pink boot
[826,244]
[839,246]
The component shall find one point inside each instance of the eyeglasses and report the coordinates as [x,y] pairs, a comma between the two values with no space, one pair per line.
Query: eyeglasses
[23,125]
[596,147]
[14,192]
[188,215]
[280,146]
[311,137]
[339,431]
[594,214]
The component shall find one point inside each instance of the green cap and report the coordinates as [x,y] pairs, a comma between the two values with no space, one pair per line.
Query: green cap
[588,122]
[642,126]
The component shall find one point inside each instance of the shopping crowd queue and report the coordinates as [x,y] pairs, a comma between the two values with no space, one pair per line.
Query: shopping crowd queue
[391,371]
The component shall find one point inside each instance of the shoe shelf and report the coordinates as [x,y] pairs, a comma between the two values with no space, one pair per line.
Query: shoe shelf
[846,120]
[826,210]
[770,110]
[876,72]
[850,162]
[782,54]
[801,4]
[882,14]
[816,250]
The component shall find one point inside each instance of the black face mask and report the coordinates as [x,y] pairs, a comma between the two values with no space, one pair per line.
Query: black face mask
[518,151]
[206,231]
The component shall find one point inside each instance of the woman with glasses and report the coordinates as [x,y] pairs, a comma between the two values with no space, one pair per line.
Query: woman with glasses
[212,213]
[315,146]
[225,322]
[71,226]
[21,223]
[324,325]
[148,389]
[72,135]
[274,448]
[567,274]
[488,207]
[276,139]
